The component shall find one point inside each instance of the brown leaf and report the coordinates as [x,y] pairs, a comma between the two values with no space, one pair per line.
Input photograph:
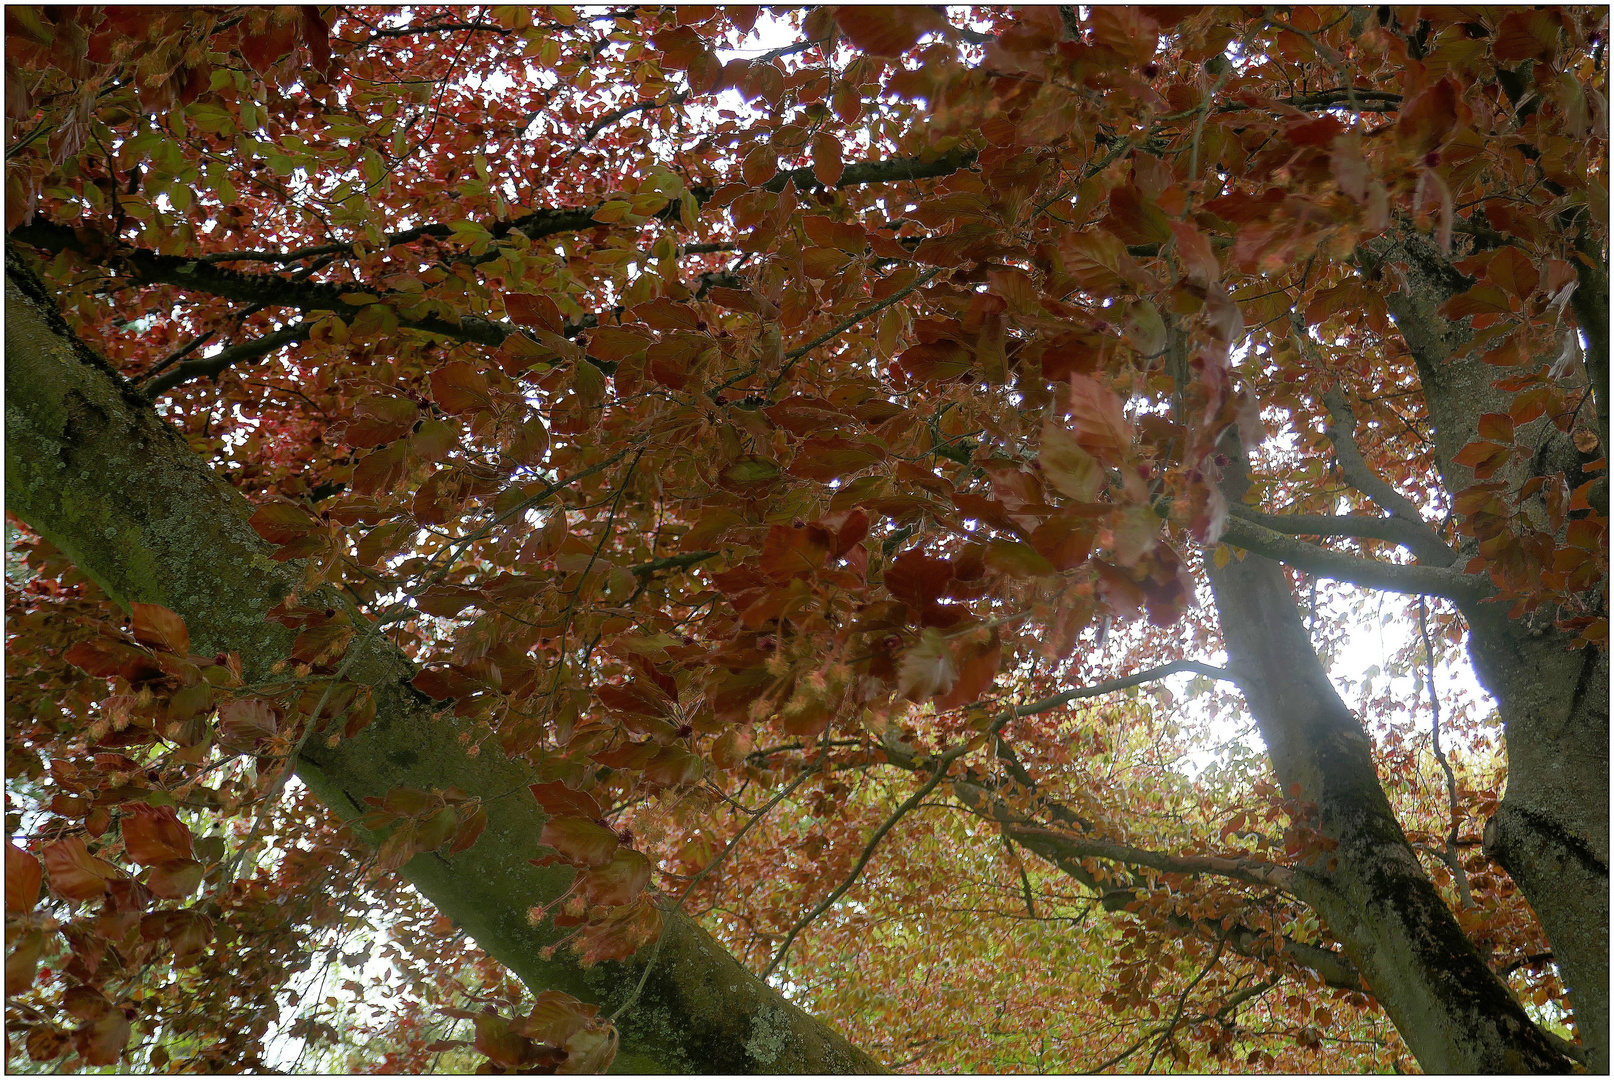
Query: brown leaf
[619,881]
[22,963]
[74,873]
[827,164]
[1098,424]
[176,879]
[23,877]
[378,420]
[154,834]
[1069,468]
[579,841]
[459,388]
[158,628]
[887,30]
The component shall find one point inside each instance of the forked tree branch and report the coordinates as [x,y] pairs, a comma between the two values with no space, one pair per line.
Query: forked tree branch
[1368,573]
[1356,526]
[1427,544]
[215,365]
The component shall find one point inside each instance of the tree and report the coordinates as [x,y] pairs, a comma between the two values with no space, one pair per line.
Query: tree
[619,482]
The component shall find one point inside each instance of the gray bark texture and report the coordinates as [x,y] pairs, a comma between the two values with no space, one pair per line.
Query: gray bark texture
[94,470]
[1454,1014]
[1551,832]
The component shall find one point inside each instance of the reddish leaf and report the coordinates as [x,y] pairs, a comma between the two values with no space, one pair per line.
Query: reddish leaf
[1017,559]
[790,552]
[176,879]
[887,30]
[1426,121]
[827,164]
[468,831]
[23,876]
[459,388]
[1497,427]
[1064,540]
[22,962]
[378,420]
[101,1042]
[1196,254]
[1485,458]
[555,1017]
[244,722]
[759,165]
[502,1046]
[673,766]
[558,799]
[935,361]
[634,697]
[579,841]
[154,834]
[445,683]
[531,309]
[619,881]
[918,580]
[381,471]
[158,628]
[263,50]
[1135,218]
[1097,421]
[1526,35]
[1069,468]
[74,873]
[977,668]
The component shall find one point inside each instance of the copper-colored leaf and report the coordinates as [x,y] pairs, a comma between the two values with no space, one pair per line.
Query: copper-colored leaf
[827,164]
[74,873]
[1069,468]
[22,962]
[885,29]
[619,881]
[459,388]
[158,628]
[176,879]
[1097,422]
[154,834]
[23,877]
[579,840]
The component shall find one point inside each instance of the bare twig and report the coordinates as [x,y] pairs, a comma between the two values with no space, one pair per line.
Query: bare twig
[1450,857]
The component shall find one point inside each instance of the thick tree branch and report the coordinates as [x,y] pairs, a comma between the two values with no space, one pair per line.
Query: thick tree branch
[1590,301]
[1370,888]
[1064,851]
[1249,871]
[90,467]
[203,275]
[551,222]
[1356,526]
[1368,573]
[1342,433]
[214,366]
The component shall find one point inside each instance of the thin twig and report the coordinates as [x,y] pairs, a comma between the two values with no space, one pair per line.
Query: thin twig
[1450,857]
[1182,1000]
[678,905]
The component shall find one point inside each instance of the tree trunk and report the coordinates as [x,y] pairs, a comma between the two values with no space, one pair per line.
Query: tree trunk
[1551,831]
[95,471]
[1454,1014]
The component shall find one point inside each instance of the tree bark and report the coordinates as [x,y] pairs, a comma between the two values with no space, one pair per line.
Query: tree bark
[95,471]
[1454,1014]
[1551,831]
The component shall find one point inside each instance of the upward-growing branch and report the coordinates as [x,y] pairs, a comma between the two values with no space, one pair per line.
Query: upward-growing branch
[91,468]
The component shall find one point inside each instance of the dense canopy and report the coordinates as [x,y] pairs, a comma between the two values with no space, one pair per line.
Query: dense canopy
[833,539]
